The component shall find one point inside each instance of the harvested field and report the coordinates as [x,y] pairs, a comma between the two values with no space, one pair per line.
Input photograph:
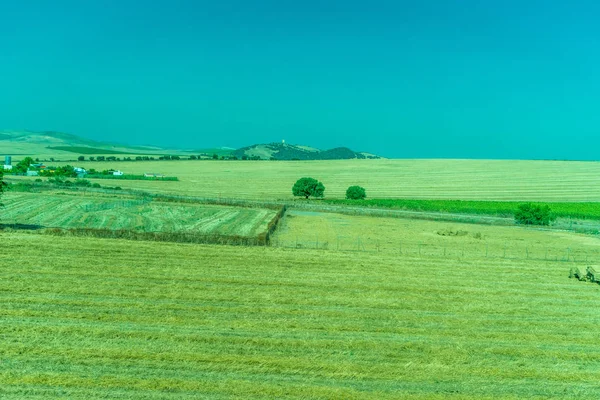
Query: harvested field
[416,179]
[121,213]
[139,320]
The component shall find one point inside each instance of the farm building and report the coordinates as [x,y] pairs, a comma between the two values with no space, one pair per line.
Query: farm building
[117,173]
[32,173]
[8,167]
[153,175]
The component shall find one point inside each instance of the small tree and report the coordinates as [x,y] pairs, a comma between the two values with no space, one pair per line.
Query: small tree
[534,214]
[306,187]
[2,184]
[356,193]
[81,158]
[215,157]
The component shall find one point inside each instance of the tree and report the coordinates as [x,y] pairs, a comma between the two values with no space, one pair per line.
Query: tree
[215,156]
[23,165]
[356,193]
[92,158]
[100,158]
[307,187]
[193,157]
[534,214]
[2,183]
[81,158]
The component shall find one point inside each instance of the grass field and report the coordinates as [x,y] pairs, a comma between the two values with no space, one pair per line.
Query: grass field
[588,210]
[215,322]
[97,212]
[407,179]
[408,237]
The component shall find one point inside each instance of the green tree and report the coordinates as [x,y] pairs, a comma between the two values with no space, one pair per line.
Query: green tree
[23,165]
[81,158]
[307,187]
[2,183]
[356,193]
[215,156]
[534,214]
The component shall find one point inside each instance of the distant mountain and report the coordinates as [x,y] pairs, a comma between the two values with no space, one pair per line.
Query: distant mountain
[283,151]
[61,145]
[64,144]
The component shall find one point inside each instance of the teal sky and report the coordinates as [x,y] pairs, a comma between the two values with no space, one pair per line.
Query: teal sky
[460,79]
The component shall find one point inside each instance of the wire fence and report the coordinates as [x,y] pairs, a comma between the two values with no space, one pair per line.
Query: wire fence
[422,249]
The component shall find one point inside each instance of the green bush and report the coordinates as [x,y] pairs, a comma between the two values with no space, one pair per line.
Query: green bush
[95,185]
[534,214]
[356,193]
[307,187]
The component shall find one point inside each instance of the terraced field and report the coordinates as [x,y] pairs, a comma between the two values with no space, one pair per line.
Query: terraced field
[89,318]
[420,179]
[92,211]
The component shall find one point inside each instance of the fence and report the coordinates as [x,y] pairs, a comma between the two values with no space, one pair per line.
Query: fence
[435,250]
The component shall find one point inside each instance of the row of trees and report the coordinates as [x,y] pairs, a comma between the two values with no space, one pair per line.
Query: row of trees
[166,158]
[310,187]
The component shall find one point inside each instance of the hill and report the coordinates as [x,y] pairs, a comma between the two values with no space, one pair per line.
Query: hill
[57,144]
[283,151]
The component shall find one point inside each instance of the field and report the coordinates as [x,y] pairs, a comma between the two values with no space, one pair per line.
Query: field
[97,212]
[155,320]
[587,210]
[338,306]
[417,238]
[406,179]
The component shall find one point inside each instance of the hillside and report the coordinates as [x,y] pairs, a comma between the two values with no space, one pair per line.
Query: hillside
[283,151]
[57,144]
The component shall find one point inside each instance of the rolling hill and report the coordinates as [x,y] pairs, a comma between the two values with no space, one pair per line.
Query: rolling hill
[65,146]
[283,151]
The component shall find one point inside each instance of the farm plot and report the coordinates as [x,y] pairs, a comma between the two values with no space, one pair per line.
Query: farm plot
[306,229]
[408,179]
[64,211]
[86,318]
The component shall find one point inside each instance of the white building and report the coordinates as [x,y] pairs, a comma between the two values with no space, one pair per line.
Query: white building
[117,173]
[8,167]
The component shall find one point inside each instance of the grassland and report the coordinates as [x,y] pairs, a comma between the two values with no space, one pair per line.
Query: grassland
[92,211]
[418,238]
[154,320]
[555,181]
[588,210]
[86,150]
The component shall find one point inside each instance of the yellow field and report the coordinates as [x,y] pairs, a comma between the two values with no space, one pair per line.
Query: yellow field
[97,318]
[427,179]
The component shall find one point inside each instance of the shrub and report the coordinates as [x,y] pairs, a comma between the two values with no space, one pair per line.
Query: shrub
[356,193]
[82,182]
[307,187]
[81,158]
[95,185]
[534,214]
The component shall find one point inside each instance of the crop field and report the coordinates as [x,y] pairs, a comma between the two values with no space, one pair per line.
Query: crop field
[407,179]
[589,210]
[141,320]
[94,211]
[415,238]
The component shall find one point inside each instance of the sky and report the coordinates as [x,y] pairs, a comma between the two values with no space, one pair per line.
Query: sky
[406,79]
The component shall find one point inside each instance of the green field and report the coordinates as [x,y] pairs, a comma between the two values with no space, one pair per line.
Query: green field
[98,318]
[86,150]
[588,210]
[561,181]
[92,211]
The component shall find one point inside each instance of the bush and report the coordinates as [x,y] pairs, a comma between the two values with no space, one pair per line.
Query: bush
[534,214]
[356,193]
[306,187]
[96,185]
[81,158]
[82,182]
